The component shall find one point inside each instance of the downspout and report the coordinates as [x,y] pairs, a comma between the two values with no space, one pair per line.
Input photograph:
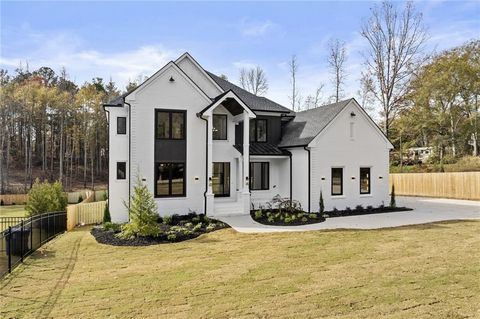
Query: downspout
[206,163]
[108,143]
[129,152]
[291,182]
[309,175]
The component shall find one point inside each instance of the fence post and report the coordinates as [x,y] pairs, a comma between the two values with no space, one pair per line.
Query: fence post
[9,246]
[21,241]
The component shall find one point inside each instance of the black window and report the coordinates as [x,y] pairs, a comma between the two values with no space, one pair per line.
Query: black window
[258,130]
[170,180]
[221,179]
[170,125]
[219,126]
[259,175]
[337,181]
[121,125]
[364,180]
[121,170]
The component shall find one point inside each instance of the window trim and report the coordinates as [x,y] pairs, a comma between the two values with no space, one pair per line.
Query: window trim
[170,126]
[263,164]
[255,129]
[118,119]
[369,180]
[116,171]
[170,195]
[341,182]
[226,127]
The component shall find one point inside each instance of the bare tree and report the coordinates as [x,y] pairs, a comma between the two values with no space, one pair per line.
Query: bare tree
[396,38]
[365,94]
[295,97]
[254,80]
[314,100]
[337,55]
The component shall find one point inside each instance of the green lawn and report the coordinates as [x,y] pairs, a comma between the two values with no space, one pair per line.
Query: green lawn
[428,271]
[13,211]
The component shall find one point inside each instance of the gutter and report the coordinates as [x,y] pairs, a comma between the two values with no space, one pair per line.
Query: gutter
[199,115]
[108,143]
[309,175]
[129,152]
[291,182]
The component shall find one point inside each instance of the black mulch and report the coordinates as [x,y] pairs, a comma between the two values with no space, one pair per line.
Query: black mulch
[366,211]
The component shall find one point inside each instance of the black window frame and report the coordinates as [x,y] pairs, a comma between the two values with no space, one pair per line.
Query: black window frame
[170,126]
[341,181]
[262,181]
[125,171]
[224,165]
[125,126]
[369,180]
[184,193]
[254,124]
[226,127]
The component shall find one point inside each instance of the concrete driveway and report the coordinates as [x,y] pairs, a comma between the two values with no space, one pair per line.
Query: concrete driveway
[425,210]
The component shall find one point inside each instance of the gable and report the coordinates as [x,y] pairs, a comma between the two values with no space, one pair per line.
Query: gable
[345,128]
[198,75]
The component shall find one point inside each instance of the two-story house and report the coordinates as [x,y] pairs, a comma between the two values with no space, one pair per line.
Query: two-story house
[203,144]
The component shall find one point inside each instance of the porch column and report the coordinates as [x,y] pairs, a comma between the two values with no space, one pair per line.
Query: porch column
[209,195]
[246,163]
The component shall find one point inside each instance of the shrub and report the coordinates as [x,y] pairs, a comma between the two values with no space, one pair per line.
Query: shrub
[196,219]
[312,216]
[304,219]
[197,227]
[211,227]
[287,220]
[321,205]
[188,225]
[392,198]
[359,208]
[270,219]
[143,214]
[258,214]
[167,220]
[172,237]
[2,203]
[44,197]
[369,207]
[106,215]
[80,199]
[112,226]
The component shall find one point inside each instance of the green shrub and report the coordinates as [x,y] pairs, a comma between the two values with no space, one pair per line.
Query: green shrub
[197,227]
[167,220]
[287,220]
[112,226]
[392,198]
[188,225]
[300,215]
[2,203]
[143,214]
[258,214]
[312,216]
[321,205]
[270,219]
[293,217]
[44,197]
[211,227]
[80,199]
[196,219]
[359,208]
[304,219]
[106,215]
[172,237]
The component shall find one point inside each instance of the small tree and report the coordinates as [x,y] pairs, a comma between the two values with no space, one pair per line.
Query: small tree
[322,206]
[44,197]
[392,198]
[143,214]
[106,215]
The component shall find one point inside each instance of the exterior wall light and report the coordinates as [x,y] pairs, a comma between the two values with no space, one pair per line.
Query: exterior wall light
[353,114]
[171,79]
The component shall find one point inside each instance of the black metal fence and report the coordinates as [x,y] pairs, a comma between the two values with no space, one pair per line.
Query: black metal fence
[6,222]
[22,239]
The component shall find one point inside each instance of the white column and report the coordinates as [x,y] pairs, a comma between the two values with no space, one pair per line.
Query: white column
[209,195]
[246,163]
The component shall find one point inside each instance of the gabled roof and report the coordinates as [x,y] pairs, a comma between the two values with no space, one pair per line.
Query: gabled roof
[256,103]
[308,124]
[118,100]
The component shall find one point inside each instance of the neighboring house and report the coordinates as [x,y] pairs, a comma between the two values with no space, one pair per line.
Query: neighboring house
[418,154]
[203,144]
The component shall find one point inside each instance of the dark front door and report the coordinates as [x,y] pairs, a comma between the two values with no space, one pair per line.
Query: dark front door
[221,179]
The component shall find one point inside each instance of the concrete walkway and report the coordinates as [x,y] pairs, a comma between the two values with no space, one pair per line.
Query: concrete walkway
[425,210]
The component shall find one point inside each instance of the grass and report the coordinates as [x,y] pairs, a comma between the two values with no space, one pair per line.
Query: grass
[426,271]
[13,211]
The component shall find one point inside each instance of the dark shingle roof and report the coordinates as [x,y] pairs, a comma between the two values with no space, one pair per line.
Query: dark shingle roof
[308,124]
[262,149]
[118,100]
[256,103]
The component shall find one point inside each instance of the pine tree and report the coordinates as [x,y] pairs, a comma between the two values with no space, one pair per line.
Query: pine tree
[392,198]
[106,215]
[143,214]
[322,206]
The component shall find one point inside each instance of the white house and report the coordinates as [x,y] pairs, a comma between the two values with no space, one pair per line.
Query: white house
[203,144]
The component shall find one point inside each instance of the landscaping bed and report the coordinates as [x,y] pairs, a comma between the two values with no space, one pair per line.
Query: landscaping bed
[173,228]
[277,217]
[359,210]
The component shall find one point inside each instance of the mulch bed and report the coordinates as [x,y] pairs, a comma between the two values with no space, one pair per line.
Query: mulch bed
[366,211]
[296,222]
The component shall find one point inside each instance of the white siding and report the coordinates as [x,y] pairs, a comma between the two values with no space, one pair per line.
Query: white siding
[279,180]
[335,148]
[300,176]
[198,77]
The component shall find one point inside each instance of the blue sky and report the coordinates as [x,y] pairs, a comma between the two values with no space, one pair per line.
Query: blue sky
[125,39]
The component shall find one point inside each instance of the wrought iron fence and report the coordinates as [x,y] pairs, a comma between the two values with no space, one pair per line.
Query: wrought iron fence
[22,239]
[6,222]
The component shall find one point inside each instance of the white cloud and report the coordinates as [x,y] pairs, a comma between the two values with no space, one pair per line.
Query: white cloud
[65,50]
[255,29]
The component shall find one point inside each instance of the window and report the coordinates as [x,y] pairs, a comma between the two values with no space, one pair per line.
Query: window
[219,127]
[259,175]
[258,130]
[221,179]
[121,125]
[170,125]
[170,180]
[337,181]
[364,180]
[121,170]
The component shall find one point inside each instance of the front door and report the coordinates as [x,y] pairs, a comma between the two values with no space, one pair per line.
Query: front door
[221,179]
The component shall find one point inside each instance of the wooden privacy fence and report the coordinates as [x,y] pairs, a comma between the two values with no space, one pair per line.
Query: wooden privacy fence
[72,197]
[85,214]
[14,199]
[461,185]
